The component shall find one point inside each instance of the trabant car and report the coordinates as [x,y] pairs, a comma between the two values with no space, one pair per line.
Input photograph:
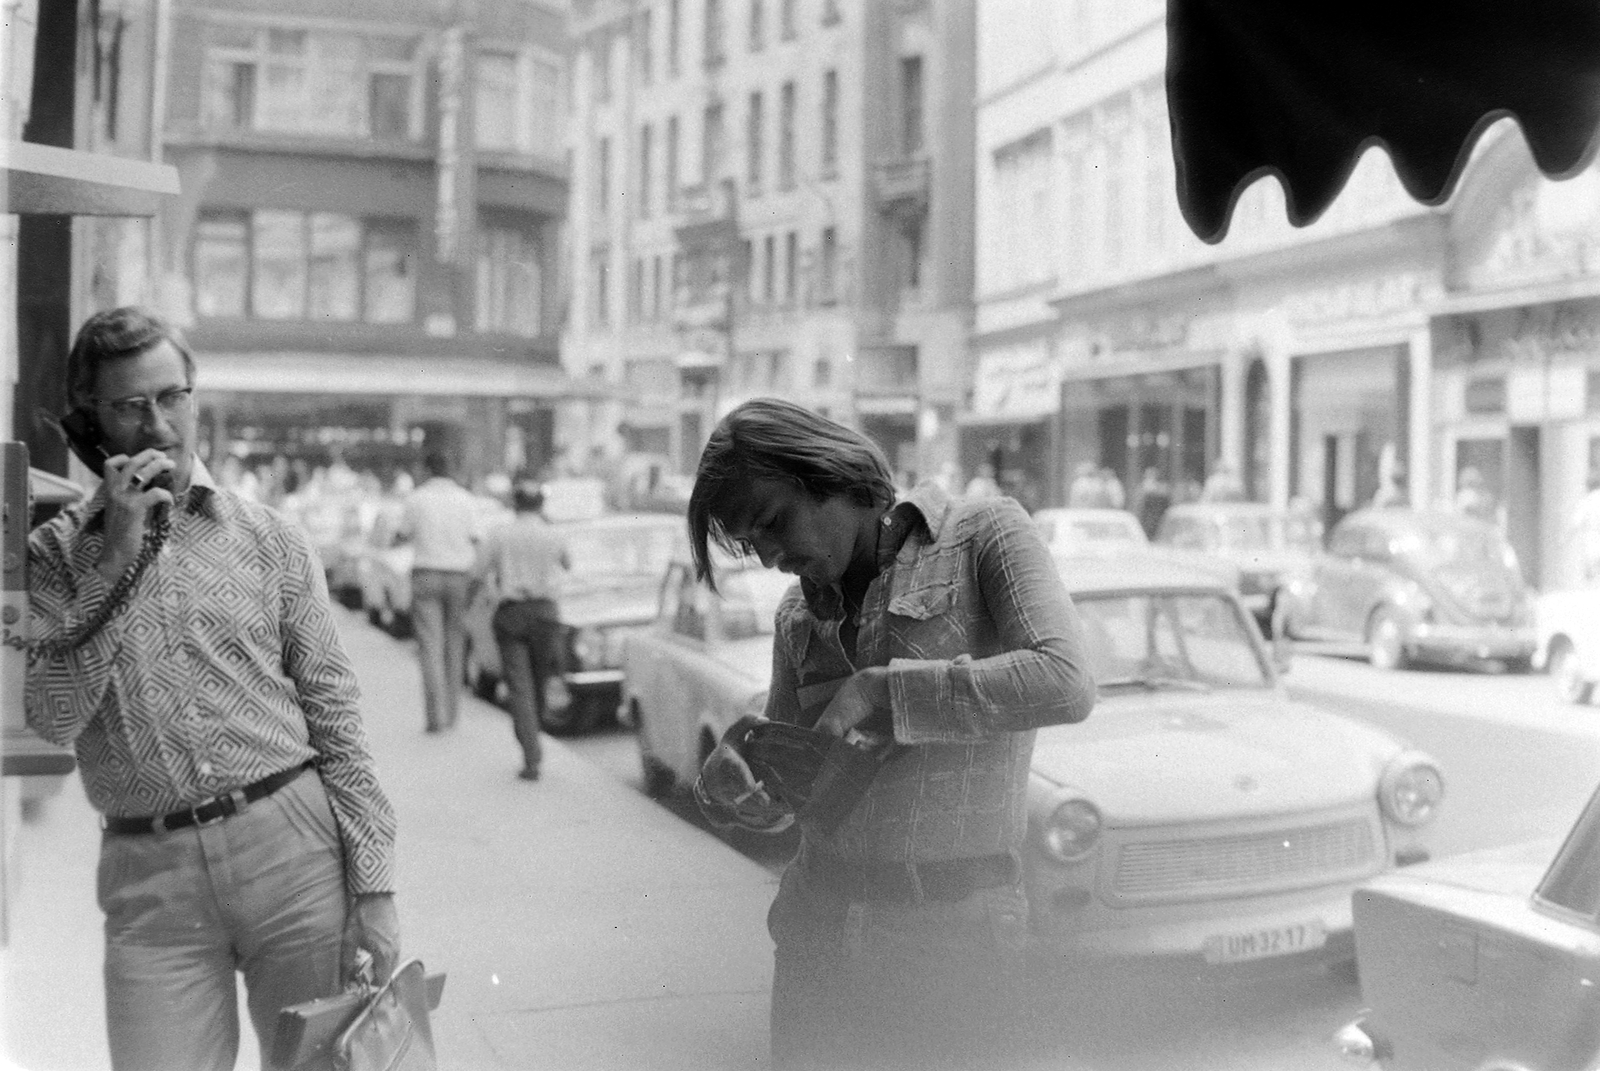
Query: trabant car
[1199,815]
[611,590]
[1414,586]
[1267,544]
[1076,531]
[703,664]
[1567,624]
[1485,961]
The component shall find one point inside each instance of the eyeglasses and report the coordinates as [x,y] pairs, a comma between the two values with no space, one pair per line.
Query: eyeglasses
[132,410]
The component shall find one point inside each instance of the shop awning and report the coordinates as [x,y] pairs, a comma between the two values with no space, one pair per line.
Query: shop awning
[388,374]
[45,180]
[1302,88]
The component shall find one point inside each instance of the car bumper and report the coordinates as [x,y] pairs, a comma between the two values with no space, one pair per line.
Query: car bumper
[590,680]
[1221,934]
[1467,643]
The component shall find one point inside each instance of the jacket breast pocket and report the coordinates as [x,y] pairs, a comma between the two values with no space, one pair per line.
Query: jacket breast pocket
[925,624]
[923,604]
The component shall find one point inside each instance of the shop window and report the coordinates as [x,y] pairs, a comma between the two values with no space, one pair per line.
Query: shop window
[1485,395]
[221,265]
[390,278]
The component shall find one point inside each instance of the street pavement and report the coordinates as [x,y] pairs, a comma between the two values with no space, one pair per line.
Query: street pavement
[581,926]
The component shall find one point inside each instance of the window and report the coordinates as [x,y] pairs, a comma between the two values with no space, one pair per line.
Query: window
[645,178]
[517,103]
[757,29]
[747,269]
[300,81]
[769,269]
[674,32]
[655,289]
[645,48]
[510,289]
[602,71]
[1022,250]
[789,27]
[284,265]
[822,372]
[713,33]
[711,143]
[791,267]
[830,123]
[827,277]
[1158,183]
[636,291]
[1485,395]
[602,176]
[911,104]
[672,163]
[1593,393]
[600,282]
[221,265]
[753,145]
[786,115]
[830,12]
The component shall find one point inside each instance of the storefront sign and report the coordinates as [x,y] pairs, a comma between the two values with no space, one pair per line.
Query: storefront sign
[1357,299]
[1016,384]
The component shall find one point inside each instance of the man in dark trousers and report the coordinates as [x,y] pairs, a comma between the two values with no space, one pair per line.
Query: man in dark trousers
[216,721]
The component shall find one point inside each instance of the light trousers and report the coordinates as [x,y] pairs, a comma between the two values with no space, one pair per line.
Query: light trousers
[438,612]
[261,893]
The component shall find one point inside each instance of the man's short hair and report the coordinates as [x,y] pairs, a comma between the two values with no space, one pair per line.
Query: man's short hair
[436,463]
[771,439]
[527,495]
[114,335]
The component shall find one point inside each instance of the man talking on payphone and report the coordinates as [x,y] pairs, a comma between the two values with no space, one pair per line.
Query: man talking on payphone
[184,644]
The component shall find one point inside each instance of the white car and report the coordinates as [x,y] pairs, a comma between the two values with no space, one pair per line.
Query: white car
[1567,625]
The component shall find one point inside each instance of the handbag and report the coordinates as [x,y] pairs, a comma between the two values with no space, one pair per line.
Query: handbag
[391,1032]
[365,1028]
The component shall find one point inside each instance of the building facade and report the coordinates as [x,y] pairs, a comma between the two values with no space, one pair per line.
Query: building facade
[1386,342]
[366,252]
[772,197]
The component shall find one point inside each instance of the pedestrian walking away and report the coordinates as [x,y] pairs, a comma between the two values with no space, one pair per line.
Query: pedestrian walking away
[935,634]
[524,561]
[186,649]
[440,518]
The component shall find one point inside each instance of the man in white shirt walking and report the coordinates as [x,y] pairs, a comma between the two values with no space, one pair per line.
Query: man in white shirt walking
[441,519]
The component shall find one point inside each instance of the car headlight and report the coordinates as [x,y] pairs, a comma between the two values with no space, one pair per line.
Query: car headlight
[1411,789]
[1072,830]
[588,647]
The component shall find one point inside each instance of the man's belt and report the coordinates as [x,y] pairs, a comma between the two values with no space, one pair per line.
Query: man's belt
[211,811]
[948,880]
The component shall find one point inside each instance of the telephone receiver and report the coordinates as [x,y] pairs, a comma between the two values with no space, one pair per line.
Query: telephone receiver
[86,440]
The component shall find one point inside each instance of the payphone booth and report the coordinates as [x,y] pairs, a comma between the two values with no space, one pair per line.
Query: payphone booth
[44,180]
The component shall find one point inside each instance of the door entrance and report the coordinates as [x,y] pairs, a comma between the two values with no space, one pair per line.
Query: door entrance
[1522,498]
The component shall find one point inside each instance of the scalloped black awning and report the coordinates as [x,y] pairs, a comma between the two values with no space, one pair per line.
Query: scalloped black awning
[1302,87]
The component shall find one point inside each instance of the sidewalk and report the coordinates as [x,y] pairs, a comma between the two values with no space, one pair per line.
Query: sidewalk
[582,926]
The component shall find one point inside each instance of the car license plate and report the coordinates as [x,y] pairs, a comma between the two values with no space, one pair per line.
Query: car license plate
[1260,944]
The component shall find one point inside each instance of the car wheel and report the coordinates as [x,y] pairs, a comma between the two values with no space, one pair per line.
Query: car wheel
[399,625]
[1386,641]
[1568,675]
[575,714]
[373,618]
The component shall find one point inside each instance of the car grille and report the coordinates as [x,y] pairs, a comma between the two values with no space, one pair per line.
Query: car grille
[1250,863]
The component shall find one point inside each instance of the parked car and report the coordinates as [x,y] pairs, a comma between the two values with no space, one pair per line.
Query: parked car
[1266,544]
[612,589]
[1567,628]
[1486,961]
[705,662]
[1414,586]
[1080,530]
[1198,814]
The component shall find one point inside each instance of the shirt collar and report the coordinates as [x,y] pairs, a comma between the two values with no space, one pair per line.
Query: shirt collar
[201,498]
[925,506]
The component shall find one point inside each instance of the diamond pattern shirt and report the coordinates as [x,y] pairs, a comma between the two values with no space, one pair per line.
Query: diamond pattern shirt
[225,667]
[983,646]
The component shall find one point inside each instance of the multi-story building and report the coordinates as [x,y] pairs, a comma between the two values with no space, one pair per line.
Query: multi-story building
[772,197]
[1388,337]
[366,253]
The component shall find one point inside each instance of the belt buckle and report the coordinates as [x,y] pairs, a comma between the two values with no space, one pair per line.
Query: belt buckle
[224,811]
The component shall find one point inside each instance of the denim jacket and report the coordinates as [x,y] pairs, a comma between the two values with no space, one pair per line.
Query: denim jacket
[983,646]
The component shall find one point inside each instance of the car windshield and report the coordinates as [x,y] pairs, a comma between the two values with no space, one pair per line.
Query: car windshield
[605,556]
[750,600]
[1573,881]
[1267,532]
[1185,640]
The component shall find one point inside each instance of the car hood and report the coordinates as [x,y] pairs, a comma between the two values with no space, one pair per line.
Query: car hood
[1512,870]
[613,604]
[1182,757]
[750,659]
[1478,592]
[1269,561]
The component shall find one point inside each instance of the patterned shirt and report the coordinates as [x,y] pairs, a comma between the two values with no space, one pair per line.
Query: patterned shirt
[225,667]
[983,646]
